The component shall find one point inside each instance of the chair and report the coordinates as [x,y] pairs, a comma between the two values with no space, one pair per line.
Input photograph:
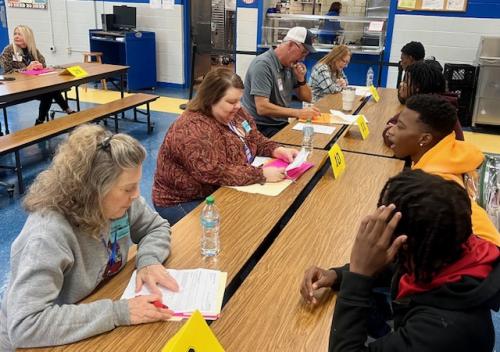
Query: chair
[87,57]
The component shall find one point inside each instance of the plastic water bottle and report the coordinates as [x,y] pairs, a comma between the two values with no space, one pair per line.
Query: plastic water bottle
[210,220]
[369,77]
[307,140]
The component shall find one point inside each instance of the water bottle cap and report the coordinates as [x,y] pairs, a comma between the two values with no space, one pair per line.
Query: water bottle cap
[309,120]
[210,200]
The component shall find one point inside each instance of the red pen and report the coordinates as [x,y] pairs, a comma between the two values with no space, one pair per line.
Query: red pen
[159,304]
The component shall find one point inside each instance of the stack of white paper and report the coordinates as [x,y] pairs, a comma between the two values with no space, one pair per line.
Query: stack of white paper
[199,289]
[341,118]
[317,128]
[362,91]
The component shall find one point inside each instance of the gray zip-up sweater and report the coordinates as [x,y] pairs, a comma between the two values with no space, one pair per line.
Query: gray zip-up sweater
[53,267]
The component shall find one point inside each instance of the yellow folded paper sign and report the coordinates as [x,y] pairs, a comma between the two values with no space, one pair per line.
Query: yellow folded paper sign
[337,160]
[374,93]
[363,127]
[75,71]
[195,335]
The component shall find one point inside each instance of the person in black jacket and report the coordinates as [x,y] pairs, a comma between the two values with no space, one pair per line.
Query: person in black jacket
[443,279]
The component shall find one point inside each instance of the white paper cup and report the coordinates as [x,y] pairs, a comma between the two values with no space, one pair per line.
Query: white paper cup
[348,98]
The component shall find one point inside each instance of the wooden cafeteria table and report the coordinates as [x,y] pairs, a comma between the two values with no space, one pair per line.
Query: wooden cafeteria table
[267,312]
[377,115]
[246,222]
[26,87]
[320,141]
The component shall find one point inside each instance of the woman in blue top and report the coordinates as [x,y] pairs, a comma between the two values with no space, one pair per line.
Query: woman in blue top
[330,29]
[327,75]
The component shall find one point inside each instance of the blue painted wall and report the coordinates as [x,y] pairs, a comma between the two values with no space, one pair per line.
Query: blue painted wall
[4,30]
[255,4]
[355,72]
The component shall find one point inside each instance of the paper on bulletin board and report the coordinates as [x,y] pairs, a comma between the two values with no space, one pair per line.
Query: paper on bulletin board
[168,4]
[456,5]
[410,4]
[155,4]
[433,4]
[28,4]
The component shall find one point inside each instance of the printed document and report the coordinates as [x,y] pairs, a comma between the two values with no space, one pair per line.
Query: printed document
[199,289]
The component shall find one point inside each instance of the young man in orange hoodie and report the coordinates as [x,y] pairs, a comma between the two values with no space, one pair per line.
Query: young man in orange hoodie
[443,279]
[424,132]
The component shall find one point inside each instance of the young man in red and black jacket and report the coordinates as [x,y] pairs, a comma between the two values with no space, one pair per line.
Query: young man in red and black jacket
[443,279]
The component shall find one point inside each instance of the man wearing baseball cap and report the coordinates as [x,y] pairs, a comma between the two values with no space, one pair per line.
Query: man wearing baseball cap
[271,79]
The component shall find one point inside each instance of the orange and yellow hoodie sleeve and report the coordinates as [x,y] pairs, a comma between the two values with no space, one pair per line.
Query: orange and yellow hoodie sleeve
[451,159]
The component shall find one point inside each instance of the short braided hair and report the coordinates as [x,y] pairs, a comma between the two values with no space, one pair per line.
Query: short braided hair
[424,78]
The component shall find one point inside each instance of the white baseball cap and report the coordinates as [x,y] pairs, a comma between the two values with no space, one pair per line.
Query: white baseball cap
[301,35]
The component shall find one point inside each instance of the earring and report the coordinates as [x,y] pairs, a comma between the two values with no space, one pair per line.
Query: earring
[421,144]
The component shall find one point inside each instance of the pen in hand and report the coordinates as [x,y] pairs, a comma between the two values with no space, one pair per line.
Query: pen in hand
[159,304]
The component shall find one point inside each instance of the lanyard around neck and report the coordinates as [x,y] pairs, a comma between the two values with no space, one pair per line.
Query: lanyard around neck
[241,136]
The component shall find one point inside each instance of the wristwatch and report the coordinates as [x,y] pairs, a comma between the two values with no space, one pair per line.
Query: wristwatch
[303,83]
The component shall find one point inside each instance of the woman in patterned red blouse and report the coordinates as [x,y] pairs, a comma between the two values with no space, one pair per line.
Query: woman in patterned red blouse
[212,144]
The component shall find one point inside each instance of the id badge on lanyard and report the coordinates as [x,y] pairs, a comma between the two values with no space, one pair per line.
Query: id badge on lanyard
[17,58]
[246,126]
[280,84]
[119,229]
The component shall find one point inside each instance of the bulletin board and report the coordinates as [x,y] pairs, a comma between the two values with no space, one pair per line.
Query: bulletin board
[28,4]
[433,5]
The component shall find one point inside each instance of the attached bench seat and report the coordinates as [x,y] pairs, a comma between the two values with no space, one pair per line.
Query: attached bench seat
[13,142]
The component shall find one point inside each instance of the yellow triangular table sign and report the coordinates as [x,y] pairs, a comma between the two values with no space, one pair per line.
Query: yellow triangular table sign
[194,336]
[75,71]
[363,126]
[374,93]
[337,160]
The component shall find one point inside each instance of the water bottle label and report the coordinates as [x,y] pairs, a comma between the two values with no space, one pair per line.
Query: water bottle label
[308,131]
[208,223]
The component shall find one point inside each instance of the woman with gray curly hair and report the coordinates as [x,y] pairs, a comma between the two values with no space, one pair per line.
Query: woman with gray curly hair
[84,211]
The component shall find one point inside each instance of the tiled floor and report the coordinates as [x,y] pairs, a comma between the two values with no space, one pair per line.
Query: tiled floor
[164,112]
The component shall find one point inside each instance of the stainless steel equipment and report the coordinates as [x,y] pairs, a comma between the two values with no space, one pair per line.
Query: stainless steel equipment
[374,8]
[487,103]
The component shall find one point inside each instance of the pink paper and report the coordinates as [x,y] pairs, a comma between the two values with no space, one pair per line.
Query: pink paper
[292,174]
[37,72]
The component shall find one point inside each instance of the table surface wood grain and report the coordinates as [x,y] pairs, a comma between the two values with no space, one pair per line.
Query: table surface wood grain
[377,115]
[267,312]
[25,86]
[293,137]
[246,220]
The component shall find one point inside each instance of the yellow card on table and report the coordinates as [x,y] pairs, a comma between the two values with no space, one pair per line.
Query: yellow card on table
[75,71]
[363,126]
[374,93]
[337,160]
[195,335]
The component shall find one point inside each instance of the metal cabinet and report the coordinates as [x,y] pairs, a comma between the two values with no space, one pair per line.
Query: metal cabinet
[487,103]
